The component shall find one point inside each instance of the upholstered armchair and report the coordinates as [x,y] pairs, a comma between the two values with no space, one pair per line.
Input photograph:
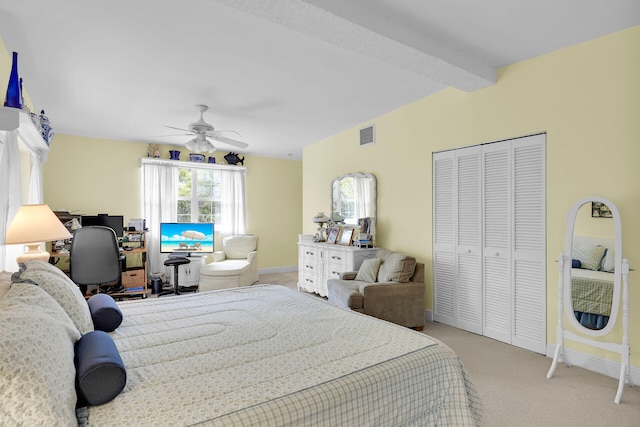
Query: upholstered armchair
[236,265]
[389,287]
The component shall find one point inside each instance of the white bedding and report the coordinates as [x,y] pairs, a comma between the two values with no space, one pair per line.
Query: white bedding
[268,355]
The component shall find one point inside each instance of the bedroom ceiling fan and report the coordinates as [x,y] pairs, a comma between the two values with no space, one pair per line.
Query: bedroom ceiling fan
[203,131]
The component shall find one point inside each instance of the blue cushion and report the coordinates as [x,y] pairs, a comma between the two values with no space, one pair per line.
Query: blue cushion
[575,263]
[105,312]
[100,372]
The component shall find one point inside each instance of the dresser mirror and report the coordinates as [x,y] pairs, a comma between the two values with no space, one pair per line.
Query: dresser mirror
[593,282]
[354,196]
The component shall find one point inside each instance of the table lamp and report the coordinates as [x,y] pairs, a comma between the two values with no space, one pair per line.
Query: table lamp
[32,225]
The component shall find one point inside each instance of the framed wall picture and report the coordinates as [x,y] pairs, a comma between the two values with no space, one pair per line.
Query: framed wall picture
[333,235]
[346,234]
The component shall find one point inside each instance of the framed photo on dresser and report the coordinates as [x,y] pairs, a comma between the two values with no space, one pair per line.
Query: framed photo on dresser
[346,234]
[333,235]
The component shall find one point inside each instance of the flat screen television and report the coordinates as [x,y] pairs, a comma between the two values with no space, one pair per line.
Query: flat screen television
[113,221]
[186,238]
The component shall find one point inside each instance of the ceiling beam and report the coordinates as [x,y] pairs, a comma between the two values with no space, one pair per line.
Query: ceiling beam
[359,30]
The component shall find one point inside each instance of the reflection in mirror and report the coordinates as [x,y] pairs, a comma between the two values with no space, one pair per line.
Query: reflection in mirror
[353,196]
[593,265]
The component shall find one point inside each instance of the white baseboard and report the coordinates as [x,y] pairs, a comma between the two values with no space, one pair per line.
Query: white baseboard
[273,270]
[593,363]
[428,315]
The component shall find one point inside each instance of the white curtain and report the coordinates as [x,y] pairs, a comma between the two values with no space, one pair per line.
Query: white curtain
[233,210]
[10,195]
[159,194]
[36,195]
[362,196]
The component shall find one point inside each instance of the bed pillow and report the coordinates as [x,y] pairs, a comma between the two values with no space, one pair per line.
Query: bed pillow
[609,261]
[61,288]
[37,374]
[575,263]
[368,271]
[105,313]
[590,256]
[101,374]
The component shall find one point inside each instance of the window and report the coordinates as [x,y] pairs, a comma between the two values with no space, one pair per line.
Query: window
[199,197]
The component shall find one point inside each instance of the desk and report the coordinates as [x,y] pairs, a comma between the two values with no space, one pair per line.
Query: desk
[134,278]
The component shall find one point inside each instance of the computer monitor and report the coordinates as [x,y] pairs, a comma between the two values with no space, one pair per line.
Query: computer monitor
[186,238]
[116,222]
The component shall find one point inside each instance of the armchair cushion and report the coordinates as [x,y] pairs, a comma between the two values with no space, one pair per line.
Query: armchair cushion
[238,247]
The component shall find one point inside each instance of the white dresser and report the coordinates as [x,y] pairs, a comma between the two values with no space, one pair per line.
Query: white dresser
[319,262]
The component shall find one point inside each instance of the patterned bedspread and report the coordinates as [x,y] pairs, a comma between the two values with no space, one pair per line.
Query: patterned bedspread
[592,291]
[270,356]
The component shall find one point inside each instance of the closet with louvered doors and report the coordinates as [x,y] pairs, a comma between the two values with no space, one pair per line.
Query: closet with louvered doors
[489,240]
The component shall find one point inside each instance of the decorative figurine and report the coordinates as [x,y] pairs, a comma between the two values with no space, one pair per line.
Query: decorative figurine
[233,159]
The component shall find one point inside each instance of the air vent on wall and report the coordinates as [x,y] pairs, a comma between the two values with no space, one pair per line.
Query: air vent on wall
[367,136]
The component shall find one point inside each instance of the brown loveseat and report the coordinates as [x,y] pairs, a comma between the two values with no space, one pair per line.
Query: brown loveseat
[389,287]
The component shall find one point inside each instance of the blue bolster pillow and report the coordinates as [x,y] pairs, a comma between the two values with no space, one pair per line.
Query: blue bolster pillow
[105,312]
[100,372]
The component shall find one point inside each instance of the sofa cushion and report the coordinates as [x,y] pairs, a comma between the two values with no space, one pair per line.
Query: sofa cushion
[368,271]
[345,293]
[395,267]
[60,287]
[229,267]
[36,361]
[238,247]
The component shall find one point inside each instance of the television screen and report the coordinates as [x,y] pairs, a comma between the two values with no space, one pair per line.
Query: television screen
[113,221]
[186,237]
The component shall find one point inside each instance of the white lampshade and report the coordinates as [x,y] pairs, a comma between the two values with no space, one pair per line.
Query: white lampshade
[32,225]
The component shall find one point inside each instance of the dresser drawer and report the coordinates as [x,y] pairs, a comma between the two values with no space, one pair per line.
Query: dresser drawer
[133,278]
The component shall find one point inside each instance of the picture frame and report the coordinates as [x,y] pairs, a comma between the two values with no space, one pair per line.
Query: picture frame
[600,210]
[346,234]
[333,235]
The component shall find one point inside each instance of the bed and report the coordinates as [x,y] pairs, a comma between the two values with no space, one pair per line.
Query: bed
[262,355]
[592,280]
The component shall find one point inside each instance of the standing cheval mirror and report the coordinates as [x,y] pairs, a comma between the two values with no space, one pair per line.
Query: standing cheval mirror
[593,282]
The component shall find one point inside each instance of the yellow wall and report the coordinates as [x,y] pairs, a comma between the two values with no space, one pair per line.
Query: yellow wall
[587,99]
[91,176]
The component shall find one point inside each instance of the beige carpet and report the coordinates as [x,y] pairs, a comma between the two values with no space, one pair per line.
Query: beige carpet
[516,392]
[513,383]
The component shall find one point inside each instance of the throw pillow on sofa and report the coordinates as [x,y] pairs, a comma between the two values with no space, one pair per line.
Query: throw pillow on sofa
[368,271]
[395,267]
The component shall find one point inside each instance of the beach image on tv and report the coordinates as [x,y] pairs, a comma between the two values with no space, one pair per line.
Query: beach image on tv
[187,237]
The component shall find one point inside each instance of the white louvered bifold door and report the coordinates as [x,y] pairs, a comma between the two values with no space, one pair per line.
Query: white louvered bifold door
[444,245]
[469,238]
[497,241]
[529,243]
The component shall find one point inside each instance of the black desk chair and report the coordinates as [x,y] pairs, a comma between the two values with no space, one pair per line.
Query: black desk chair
[95,257]
[176,263]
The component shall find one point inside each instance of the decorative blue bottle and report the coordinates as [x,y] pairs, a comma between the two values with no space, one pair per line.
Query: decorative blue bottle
[14,94]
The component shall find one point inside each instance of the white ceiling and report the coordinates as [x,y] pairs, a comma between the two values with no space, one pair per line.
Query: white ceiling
[283,73]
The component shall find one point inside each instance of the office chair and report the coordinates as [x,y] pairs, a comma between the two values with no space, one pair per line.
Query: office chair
[95,257]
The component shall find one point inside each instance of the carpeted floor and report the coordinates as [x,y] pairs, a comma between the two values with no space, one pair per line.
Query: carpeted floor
[514,388]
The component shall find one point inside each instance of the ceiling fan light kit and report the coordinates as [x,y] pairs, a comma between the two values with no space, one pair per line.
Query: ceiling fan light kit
[202,131]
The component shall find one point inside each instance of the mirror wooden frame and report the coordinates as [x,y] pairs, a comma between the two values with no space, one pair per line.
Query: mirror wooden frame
[565,308]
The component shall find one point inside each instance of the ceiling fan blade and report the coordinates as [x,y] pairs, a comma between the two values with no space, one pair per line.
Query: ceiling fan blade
[175,134]
[218,132]
[230,141]
[173,127]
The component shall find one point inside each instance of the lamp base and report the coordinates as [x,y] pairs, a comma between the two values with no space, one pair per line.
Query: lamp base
[33,252]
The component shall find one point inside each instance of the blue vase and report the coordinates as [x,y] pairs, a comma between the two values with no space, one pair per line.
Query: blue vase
[14,94]
[175,154]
